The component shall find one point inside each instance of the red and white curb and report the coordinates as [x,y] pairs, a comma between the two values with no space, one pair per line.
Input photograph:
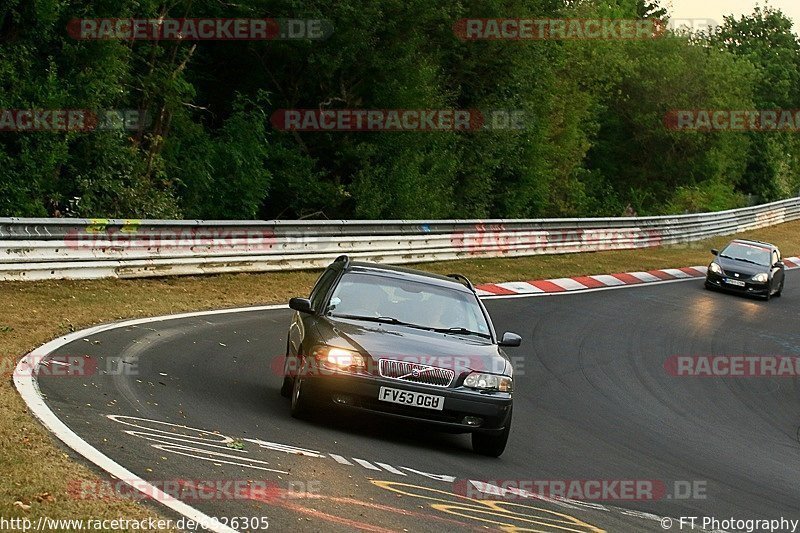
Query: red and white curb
[599,282]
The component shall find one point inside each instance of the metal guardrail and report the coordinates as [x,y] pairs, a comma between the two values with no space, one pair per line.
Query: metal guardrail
[33,249]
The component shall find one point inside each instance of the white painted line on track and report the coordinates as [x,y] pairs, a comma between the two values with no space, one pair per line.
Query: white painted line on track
[28,388]
[390,468]
[339,459]
[366,464]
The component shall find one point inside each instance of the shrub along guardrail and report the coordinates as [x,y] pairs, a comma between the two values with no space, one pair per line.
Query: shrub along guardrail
[32,249]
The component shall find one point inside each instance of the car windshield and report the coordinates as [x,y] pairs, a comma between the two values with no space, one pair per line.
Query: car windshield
[374,296]
[747,252]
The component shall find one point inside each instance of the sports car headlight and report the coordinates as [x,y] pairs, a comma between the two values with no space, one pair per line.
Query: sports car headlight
[480,381]
[715,268]
[339,358]
[761,278]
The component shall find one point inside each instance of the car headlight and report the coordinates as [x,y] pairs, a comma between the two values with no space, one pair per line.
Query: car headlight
[761,278]
[480,381]
[715,268]
[339,358]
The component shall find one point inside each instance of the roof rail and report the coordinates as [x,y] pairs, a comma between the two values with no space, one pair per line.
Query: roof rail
[343,258]
[756,241]
[463,279]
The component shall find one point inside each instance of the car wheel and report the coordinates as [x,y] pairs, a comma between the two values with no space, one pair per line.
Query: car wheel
[288,382]
[780,291]
[300,402]
[286,388]
[709,286]
[492,445]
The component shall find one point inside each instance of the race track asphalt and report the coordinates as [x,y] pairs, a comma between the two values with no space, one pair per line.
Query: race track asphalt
[593,401]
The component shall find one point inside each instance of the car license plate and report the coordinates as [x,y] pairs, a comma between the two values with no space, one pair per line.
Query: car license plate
[734,282]
[416,399]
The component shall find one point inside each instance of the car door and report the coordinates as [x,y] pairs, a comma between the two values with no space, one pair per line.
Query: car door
[297,330]
[777,271]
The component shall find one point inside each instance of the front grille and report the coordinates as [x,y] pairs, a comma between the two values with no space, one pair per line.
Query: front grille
[416,373]
[736,275]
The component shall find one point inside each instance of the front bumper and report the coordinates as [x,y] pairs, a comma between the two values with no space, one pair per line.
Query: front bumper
[360,392]
[750,287]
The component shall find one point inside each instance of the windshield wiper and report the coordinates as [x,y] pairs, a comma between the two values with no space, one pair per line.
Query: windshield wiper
[383,319]
[747,261]
[394,321]
[461,331]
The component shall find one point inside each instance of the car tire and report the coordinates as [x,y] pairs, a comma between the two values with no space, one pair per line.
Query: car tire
[288,382]
[491,444]
[286,387]
[301,405]
[708,286]
[780,291]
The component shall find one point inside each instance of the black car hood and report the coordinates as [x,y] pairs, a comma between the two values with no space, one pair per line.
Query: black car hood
[387,341]
[732,265]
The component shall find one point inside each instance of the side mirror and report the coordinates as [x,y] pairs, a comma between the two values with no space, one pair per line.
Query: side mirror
[714,251]
[301,304]
[510,340]
[779,264]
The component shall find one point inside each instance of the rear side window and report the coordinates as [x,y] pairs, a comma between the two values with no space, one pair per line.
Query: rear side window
[321,288]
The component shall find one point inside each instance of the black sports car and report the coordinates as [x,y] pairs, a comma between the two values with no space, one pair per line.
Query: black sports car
[747,267]
[401,343]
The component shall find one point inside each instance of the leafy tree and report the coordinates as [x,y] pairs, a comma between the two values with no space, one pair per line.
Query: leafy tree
[592,139]
[766,39]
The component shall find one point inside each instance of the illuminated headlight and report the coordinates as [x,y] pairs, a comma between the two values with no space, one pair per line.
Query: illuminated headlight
[488,382]
[715,268]
[761,278]
[339,358]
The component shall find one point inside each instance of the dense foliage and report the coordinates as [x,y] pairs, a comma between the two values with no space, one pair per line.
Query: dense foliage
[595,142]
